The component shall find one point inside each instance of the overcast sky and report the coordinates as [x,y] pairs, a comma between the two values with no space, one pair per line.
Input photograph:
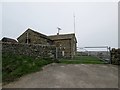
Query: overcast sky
[96,22]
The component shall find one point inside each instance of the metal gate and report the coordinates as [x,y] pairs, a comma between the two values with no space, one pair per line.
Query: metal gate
[96,51]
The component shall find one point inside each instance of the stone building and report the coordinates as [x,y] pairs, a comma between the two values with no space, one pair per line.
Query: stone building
[5,39]
[66,43]
[33,37]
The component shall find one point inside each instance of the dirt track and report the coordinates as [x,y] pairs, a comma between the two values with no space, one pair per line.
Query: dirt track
[70,76]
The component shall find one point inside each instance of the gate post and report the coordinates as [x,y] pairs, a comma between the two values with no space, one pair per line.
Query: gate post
[110,55]
[56,53]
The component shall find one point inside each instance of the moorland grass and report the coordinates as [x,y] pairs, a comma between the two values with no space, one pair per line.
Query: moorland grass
[15,66]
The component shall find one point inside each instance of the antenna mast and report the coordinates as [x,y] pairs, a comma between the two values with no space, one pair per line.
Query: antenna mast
[74,21]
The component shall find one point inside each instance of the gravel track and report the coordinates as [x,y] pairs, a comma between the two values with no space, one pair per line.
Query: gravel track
[70,76]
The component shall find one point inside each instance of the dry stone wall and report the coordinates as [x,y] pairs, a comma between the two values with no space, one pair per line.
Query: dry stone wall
[115,56]
[34,50]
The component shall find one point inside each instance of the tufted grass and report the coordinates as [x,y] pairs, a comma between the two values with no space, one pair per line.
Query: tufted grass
[15,66]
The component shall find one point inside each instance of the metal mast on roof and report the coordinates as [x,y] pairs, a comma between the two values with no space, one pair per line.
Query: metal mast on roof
[74,21]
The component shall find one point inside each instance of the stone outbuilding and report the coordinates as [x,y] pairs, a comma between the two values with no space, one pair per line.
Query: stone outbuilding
[66,43]
[5,39]
[32,37]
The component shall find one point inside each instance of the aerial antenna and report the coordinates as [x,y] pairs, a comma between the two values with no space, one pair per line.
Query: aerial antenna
[74,21]
[59,30]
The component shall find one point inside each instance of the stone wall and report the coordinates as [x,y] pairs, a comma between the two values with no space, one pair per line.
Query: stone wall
[34,50]
[64,45]
[115,56]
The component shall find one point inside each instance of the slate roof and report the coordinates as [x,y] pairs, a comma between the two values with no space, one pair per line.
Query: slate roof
[5,39]
[39,34]
[52,37]
[62,36]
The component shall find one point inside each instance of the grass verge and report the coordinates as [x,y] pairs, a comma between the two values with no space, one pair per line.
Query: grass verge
[82,60]
[14,66]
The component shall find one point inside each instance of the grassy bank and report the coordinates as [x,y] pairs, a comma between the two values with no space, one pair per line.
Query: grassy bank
[14,66]
[82,60]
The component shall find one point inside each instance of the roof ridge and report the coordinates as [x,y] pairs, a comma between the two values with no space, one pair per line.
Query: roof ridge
[45,36]
[63,34]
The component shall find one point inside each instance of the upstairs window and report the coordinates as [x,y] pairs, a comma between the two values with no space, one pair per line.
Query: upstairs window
[27,41]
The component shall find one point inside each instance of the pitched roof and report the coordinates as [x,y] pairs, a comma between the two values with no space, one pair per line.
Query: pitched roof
[5,39]
[52,37]
[39,34]
[62,36]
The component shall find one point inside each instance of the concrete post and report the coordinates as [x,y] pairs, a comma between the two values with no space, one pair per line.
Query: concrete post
[56,52]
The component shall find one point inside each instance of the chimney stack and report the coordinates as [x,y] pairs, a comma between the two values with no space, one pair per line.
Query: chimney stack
[57,33]
[58,30]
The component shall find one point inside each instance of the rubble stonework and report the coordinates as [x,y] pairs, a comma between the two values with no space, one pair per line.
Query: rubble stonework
[34,50]
[115,56]
[66,43]
[34,42]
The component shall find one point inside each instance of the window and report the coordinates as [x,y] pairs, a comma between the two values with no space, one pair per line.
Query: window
[27,41]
